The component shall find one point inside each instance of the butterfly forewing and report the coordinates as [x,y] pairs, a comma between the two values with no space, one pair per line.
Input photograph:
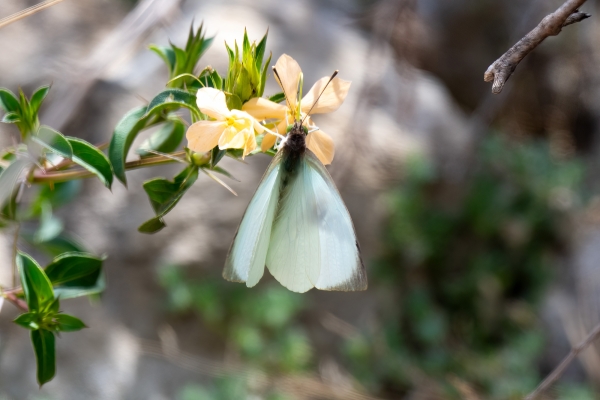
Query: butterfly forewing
[246,259]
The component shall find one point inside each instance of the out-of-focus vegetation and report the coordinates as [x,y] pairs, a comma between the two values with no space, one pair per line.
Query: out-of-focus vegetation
[459,286]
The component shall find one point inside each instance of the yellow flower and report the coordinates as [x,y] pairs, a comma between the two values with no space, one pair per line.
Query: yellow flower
[332,98]
[230,129]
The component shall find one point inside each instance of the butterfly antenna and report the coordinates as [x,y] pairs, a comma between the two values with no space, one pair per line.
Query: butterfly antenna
[320,94]
[281,84]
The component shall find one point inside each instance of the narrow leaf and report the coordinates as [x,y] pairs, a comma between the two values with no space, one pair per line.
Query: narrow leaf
[152,225]
[53,141]
[123,135]
[11,118]
[165,140]
[278,97]
[92,159]
[28,320]
[9,178]
[8,101]
[167,54]
[76,274]
[43,342]
[36,285]
[37,98]
[172,99]
[68,323]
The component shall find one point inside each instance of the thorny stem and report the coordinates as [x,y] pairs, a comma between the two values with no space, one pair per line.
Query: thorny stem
[14,254]
[80,173]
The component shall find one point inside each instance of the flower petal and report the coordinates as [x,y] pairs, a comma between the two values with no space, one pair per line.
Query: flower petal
[250,144]
[322,145]
[331,99]
[261,109]
[289,71]
[212,103]
[268,141]
[202,136]
[232,138]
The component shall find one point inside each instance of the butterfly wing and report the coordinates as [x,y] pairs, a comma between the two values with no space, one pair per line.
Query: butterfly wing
[294,252]
[341,266]
[246,259]
[313,243]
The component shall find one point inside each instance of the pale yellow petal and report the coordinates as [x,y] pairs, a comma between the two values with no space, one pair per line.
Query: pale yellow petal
[232,139]
[268,141]
[261,109]
[331,99]
[322,145]
[212,103]
[250,144]
[289,71]
[281,128]
[204,135]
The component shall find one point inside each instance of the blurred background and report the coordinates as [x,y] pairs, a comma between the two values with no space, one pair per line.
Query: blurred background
[478,214]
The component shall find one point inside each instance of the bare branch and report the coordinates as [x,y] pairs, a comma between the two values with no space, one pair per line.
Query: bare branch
[560,369]
[27,12]
[551,25]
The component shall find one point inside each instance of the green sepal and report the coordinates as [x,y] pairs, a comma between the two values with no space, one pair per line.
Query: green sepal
[167,54]
[92,159]
[216,155]
[36,285]
[44,347]
[53,141]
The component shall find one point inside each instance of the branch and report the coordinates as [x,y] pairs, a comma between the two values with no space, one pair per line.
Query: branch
[560,369]
[12,297]
[551,25]
[27,12]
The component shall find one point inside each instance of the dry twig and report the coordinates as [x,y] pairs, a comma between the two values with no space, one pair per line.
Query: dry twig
[27,12]
[551,25]
[560,369]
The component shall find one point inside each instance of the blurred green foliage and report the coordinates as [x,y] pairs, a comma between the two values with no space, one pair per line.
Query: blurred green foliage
[461,278]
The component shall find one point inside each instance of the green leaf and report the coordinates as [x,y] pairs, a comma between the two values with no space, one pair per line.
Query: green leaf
[170,100]
[152,225]
[165,140]
[28,320]
[234,102]
[260,51]
[68,323]
[164,195]
[37,98]
[53,141]
[278,97]
[36,285]
[43,342]
[9,178]
[9,102]
[58,194]
[92,159]
[58,245]
[123,135]
[76,274]
[11,118]
[167,54]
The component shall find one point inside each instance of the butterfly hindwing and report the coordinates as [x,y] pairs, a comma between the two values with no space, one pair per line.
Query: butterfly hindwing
[246,259]
[341,266]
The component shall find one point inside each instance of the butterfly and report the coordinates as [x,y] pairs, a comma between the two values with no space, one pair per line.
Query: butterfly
[297,225]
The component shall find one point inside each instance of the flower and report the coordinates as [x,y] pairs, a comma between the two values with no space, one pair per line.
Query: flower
[333,96]
[230,129]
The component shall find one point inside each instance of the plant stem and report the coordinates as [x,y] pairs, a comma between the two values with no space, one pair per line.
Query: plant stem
[15,273]
[80,173]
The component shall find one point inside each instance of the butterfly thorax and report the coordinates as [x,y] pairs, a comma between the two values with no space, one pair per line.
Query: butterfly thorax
[294,147]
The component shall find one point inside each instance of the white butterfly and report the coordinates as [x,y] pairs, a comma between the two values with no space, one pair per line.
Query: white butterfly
[298,226]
